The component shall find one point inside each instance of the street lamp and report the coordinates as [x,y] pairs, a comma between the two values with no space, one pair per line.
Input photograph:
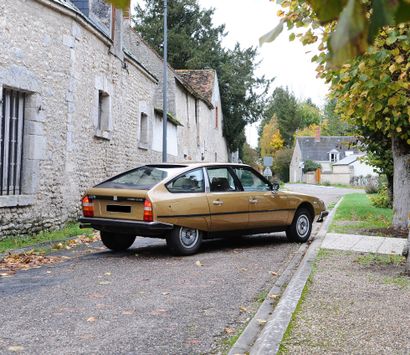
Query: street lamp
[165,86]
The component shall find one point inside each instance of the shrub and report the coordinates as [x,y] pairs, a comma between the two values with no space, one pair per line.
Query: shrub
[381,199]
[310,165]
[281,162]
[372,187]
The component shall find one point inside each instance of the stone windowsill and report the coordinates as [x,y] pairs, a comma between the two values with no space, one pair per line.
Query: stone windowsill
[103,134]
[143,145]
[16,200]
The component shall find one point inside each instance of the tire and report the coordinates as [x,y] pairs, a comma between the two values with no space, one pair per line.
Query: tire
[184,241]
[301,228]
[117,242]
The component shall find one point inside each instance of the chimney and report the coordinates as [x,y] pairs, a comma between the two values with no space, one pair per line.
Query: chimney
[117,32]
[317,134]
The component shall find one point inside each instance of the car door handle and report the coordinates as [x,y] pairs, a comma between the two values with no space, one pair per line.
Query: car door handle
[253,200]
[218,203]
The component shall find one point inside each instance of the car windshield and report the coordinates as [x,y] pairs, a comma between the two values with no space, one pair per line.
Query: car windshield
[142,178]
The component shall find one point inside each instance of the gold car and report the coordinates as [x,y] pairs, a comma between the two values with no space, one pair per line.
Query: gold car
[186,203]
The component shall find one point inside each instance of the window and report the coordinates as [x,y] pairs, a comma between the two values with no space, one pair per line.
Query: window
[103,111]
[334,156]
[190,182]
[250,181]
[144,129]
[11,142]
[221,180]
[142,178]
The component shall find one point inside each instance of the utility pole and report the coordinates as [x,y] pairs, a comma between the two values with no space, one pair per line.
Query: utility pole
[165,86]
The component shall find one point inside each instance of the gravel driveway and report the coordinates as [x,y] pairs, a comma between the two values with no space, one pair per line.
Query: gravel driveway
[143,301]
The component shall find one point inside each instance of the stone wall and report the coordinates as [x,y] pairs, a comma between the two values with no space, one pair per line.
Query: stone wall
[66,62]
[62,63]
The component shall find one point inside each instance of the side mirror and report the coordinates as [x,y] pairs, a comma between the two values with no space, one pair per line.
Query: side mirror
[275,186]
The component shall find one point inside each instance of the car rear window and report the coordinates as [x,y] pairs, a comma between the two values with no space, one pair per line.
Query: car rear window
[142,178]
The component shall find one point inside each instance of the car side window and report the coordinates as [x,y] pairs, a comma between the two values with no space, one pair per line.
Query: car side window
[221,180]
[190,182]
[250,181]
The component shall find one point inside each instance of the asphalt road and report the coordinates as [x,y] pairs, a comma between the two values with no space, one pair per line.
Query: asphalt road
[144,301]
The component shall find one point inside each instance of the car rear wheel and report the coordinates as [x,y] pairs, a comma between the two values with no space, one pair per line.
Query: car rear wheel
[117,241]
[184,241]
[301,228]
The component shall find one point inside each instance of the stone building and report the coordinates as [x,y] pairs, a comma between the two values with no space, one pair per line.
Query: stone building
[81,100]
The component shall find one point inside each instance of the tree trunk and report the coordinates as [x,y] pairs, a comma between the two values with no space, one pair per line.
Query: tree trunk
[401,183]
[390,179]
[407,252]
[401,190]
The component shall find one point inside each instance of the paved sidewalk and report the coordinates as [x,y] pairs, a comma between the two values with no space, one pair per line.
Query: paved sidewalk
[362,243]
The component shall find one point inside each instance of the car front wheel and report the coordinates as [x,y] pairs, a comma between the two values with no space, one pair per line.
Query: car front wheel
[117,242]
[301,227]
[184,241]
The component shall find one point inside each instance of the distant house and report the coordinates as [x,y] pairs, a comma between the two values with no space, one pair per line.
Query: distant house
[338,156]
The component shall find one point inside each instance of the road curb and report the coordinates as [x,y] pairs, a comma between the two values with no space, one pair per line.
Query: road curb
[255,341]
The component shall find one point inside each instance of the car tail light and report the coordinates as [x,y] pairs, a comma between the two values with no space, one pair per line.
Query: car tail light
[148,215]
[88,207]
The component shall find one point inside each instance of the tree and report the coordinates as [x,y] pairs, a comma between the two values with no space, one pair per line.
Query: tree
[372,91]
[250,156]
[335,126]
[271,140]
[379,77]
[283,105]
[195,43]
[309,114]
[281,163]
[350,25]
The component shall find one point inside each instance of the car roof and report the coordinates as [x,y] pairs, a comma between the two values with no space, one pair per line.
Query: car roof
[194,164]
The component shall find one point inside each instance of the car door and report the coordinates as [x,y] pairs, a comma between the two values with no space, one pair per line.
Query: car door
[266,207]
[228,207]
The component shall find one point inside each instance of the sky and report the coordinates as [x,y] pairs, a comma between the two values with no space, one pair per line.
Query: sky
[288,62]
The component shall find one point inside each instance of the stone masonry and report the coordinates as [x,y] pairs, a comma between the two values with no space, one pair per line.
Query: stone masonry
[62,60]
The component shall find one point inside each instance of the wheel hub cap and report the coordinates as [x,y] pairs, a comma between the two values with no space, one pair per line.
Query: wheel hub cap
[302,226]
[188,237]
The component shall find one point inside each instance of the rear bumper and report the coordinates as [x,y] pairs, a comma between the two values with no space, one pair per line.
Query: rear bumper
[148,229]
[322,215]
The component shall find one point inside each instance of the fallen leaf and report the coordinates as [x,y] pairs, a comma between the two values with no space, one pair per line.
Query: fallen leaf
[274,273]
[273,297]
[243,309]
[198,263]
[244,269]
[159,312]
[91,319]
[261,321]
[104,282]
[15,348]
[229,330]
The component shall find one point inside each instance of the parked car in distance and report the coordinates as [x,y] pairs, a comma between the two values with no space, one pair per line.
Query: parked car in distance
[186,203]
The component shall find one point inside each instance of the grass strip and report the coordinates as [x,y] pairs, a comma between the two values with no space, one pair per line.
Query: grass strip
[17,242]
[356,213]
